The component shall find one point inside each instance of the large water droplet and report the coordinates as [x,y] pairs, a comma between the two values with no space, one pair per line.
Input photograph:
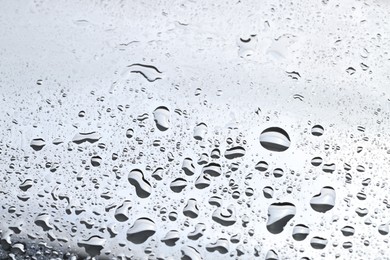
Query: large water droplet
[221,245]
[190,253]
[235,152]
[93,245]
[348,231]
[37,144]
[225,218]
[278,216]
[171,237]
[178,184]
[275,139]
[191,210]
[200,131]
[324,201]
[198,231]
[300,232]
[318,242]
[213,169]
[142,186]
[142,229]
[122,212]
[86,137]
[162,118]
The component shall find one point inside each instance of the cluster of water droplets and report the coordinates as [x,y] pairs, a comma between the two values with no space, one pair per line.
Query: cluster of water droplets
[181,155]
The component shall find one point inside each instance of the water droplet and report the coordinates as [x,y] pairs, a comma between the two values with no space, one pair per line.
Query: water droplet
[200,131]
[122,212]
[348,231]
[213,169]
[350,70]
[271,255]
[318,242]
[278,216]
[42,220]
[142,186]
[27,184]
[86,137]
[191,210]
[37,144]
[278,173]
[261,166]
[300,232]
[221,245]
[324,201]
[268,192]
[178,185]
[235,152]
[142,229]
[190,253]
[361,212]
[93,245]
[383,229]
[149,72]
[162,118]
[198,231]
[329,167]
[188,167]
[171,238]
[215,201]
[275,139]
[96,161]
[202,181]
[225,218]
[316,161]
[129,133]
[317,130]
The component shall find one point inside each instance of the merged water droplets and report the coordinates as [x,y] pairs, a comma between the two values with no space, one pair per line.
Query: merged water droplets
[324,201]
[275,139]
[43,220]
[151,73]
[122,212]
[141,230]
[189,252]
[191,210]
[221,245]
[142,186]
[198,231]
[93,245]
[171,238]
[279,214]
[225,217]
[91,137]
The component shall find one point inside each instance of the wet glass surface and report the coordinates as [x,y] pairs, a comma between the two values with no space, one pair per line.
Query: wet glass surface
[194,129]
